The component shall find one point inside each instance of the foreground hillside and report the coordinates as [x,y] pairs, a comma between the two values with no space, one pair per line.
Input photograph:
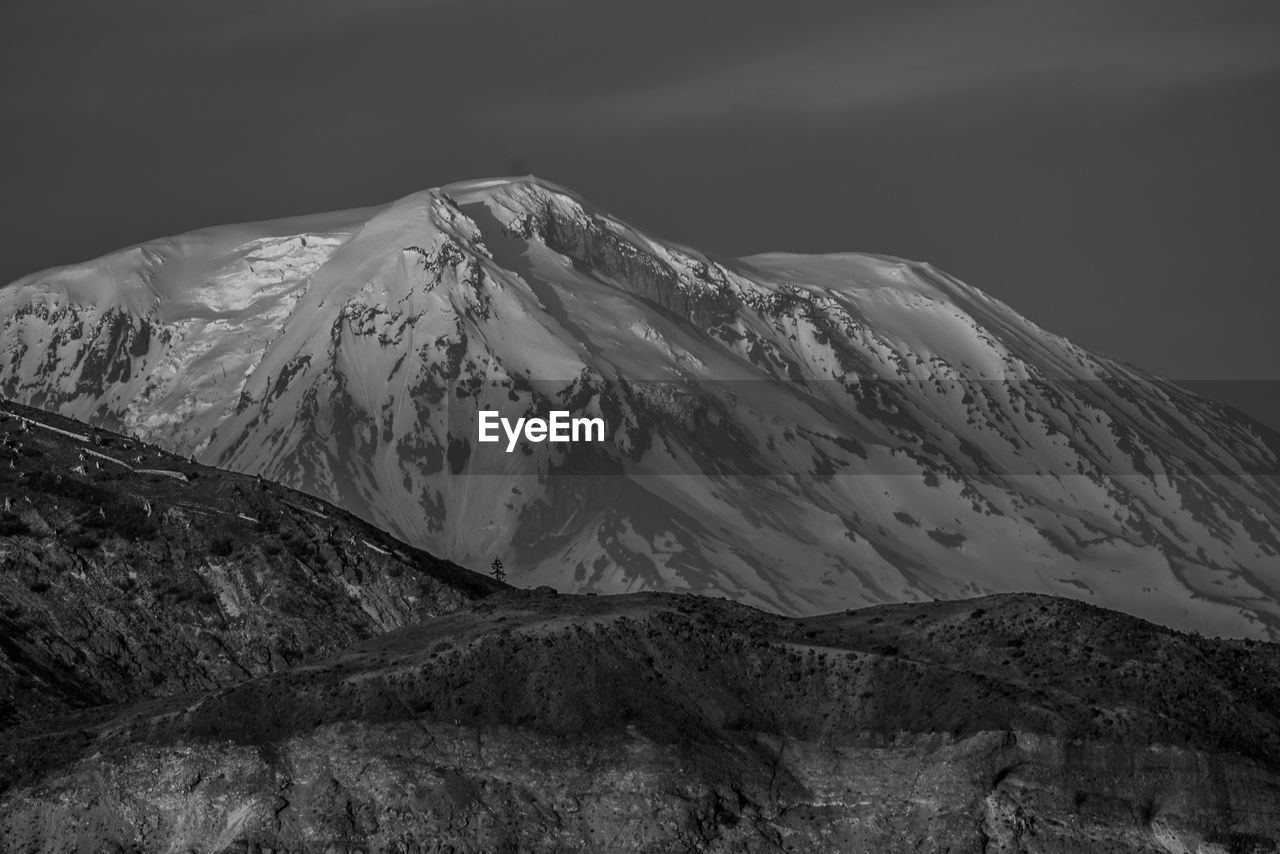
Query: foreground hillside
[798,433]
[127,572]
[534,722]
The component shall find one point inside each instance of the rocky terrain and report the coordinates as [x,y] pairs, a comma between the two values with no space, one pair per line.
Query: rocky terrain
[531,722]
[127,572]
[799,433]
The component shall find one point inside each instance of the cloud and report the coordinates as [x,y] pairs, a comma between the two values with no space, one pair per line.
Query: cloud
[1106,49]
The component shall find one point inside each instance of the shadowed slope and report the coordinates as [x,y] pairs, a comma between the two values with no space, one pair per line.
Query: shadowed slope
[128,572]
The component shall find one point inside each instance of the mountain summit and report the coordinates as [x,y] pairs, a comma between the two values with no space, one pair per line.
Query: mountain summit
[800,433]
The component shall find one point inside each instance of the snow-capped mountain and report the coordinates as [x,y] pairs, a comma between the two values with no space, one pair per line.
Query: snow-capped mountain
[801,433]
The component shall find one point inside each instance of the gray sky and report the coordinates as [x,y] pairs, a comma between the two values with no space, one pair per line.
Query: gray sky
[1109,168]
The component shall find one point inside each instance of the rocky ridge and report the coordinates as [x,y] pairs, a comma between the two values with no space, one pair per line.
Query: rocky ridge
[127,572]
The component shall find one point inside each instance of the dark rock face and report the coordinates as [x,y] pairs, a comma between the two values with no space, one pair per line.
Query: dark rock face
[127,572]
[573,231]
[530,722]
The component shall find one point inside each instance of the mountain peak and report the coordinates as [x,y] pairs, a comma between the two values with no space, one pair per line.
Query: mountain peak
[802,433]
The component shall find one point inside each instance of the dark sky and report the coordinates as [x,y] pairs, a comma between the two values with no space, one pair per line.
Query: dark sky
[1111,169]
